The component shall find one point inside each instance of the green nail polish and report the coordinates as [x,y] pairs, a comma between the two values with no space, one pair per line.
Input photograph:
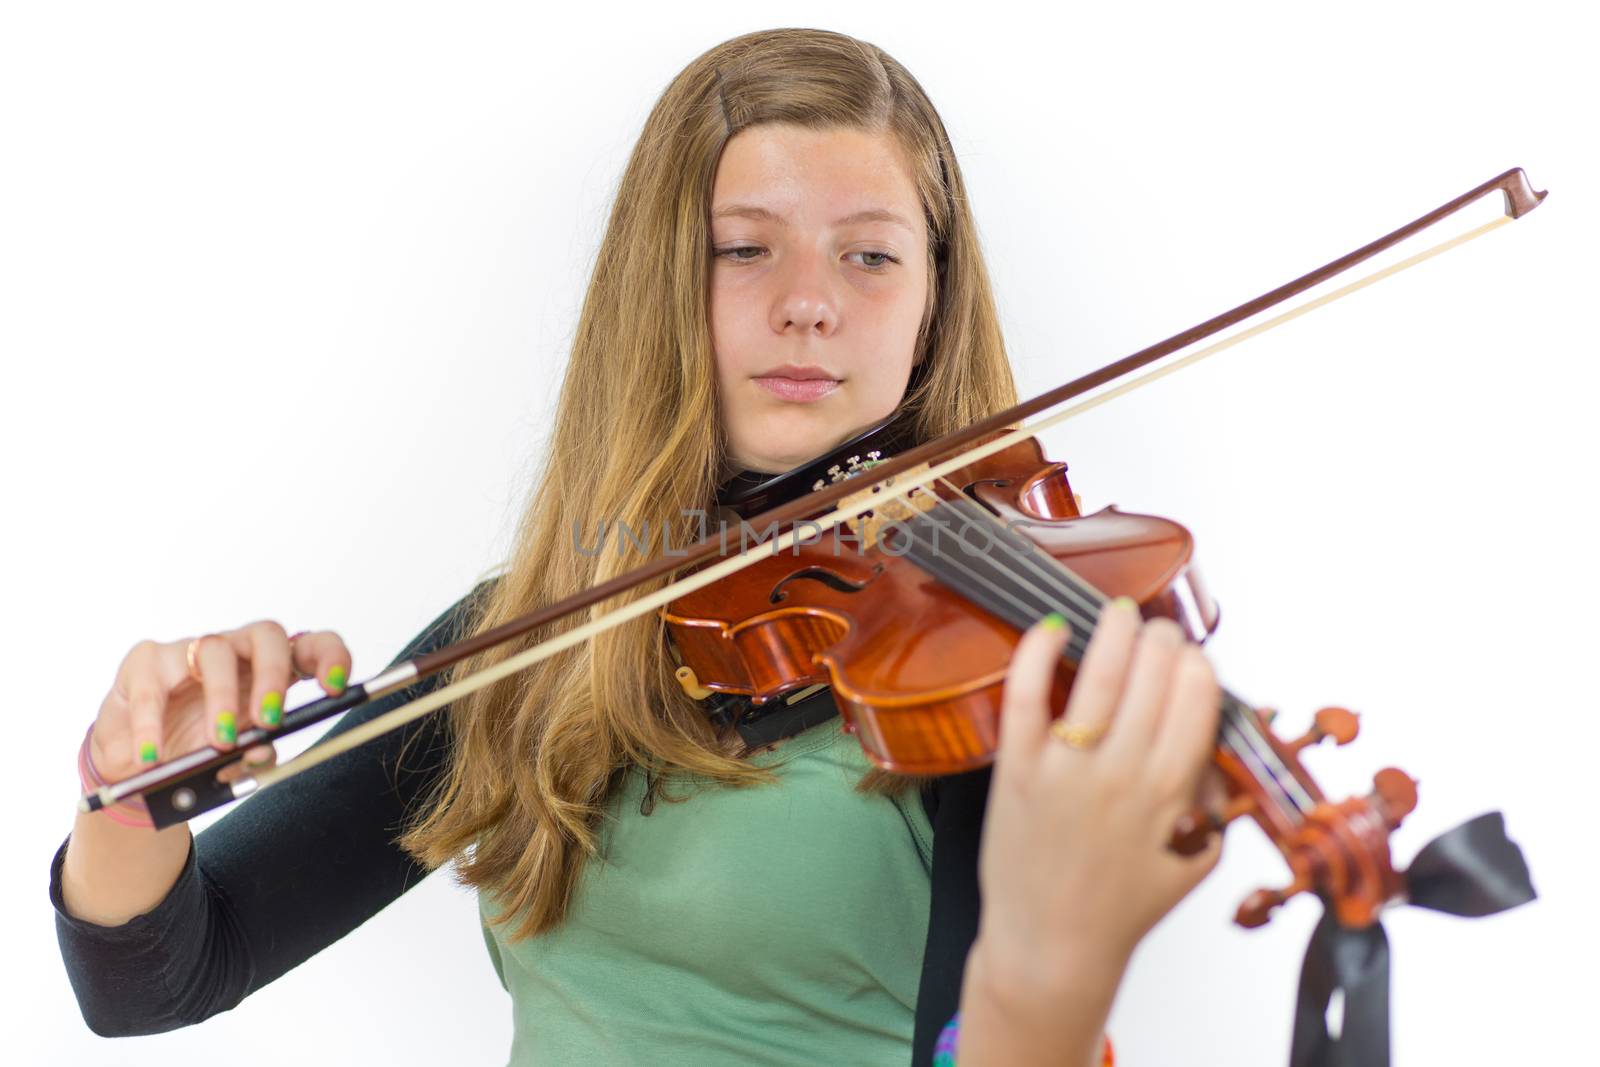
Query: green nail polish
[336,677]
[1126,602]
[272,708]
[227,729]
[1055,621]
[147,752]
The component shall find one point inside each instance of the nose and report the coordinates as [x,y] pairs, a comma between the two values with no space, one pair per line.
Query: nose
[805,302]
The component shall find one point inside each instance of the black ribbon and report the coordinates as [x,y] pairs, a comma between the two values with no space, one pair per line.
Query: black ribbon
[1473,870]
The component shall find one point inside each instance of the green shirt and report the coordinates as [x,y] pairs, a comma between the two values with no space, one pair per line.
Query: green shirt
[779,924]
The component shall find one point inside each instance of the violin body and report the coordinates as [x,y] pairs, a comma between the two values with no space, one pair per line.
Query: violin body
[916,668]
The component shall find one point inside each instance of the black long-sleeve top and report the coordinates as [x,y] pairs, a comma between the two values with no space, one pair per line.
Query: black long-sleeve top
[279,878]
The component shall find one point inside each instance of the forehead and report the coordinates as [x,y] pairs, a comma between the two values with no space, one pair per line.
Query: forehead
[812,177]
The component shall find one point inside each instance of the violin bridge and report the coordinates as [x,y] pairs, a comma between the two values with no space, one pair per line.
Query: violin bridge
[868,526]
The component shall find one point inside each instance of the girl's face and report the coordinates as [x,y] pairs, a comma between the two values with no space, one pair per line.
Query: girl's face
[818,280]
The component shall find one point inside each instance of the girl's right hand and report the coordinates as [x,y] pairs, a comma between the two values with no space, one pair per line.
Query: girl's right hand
[155,711]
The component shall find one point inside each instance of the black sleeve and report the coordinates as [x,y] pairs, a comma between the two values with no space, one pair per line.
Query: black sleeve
[286,873]
[955,805]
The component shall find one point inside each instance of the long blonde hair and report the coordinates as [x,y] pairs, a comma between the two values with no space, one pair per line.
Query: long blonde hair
[638,437]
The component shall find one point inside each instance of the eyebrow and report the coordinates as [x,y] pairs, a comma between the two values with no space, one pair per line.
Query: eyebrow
[755,211]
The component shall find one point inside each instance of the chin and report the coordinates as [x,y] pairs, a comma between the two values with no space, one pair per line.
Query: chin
[801,445]
[771,464]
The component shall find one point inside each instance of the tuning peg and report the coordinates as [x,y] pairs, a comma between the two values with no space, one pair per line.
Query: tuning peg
[1341,724]
[1394,794]
[1194,828]
[1257,907]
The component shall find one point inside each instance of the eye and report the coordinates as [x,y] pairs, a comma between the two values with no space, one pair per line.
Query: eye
[733,253]
[881,265]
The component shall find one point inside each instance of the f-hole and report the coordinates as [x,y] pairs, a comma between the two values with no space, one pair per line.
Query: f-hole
[827,578]
[971,490]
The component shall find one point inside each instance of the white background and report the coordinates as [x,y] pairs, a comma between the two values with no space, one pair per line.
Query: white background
[285,291]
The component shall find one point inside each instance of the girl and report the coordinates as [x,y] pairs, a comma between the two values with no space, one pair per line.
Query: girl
[790,259]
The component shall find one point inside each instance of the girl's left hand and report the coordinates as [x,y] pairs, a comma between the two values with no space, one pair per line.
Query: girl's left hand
[1074,866]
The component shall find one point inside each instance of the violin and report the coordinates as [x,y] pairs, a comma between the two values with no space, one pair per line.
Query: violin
[913,615]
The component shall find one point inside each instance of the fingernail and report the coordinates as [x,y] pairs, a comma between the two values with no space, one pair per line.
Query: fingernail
[227,729]
[1125,602]
[1055,621]
[272,707]
[336,678]
[147,752]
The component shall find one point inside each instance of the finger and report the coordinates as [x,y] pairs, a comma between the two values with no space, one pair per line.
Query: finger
[298,672]
[1187,735]
[1025,698]
[219,680]
[253,759]
[1104,667]
[269,669]
[1144,695]
[147,704]
[259,757]
[322,655]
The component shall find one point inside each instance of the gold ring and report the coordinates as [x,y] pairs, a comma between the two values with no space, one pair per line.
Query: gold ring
[1079,737]
[194,667]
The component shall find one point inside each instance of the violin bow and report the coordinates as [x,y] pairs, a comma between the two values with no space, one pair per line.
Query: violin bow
[184,787]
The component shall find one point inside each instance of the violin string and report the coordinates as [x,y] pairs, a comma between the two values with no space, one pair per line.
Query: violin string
[1092,600]
[1237,723]
[1237,729]
[1076,643]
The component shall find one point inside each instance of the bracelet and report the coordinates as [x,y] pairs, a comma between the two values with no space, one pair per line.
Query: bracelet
[944,1049]
[125,812]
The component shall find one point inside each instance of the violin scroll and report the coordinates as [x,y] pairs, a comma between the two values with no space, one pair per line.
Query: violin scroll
[1339,851]
[1343,854]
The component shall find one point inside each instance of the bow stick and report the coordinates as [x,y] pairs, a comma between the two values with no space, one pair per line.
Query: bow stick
[182,788]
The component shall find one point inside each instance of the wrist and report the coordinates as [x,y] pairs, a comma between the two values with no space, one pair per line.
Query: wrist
[1027,1007]
[1046,969]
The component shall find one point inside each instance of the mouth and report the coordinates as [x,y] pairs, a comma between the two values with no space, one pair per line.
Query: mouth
[799,384]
